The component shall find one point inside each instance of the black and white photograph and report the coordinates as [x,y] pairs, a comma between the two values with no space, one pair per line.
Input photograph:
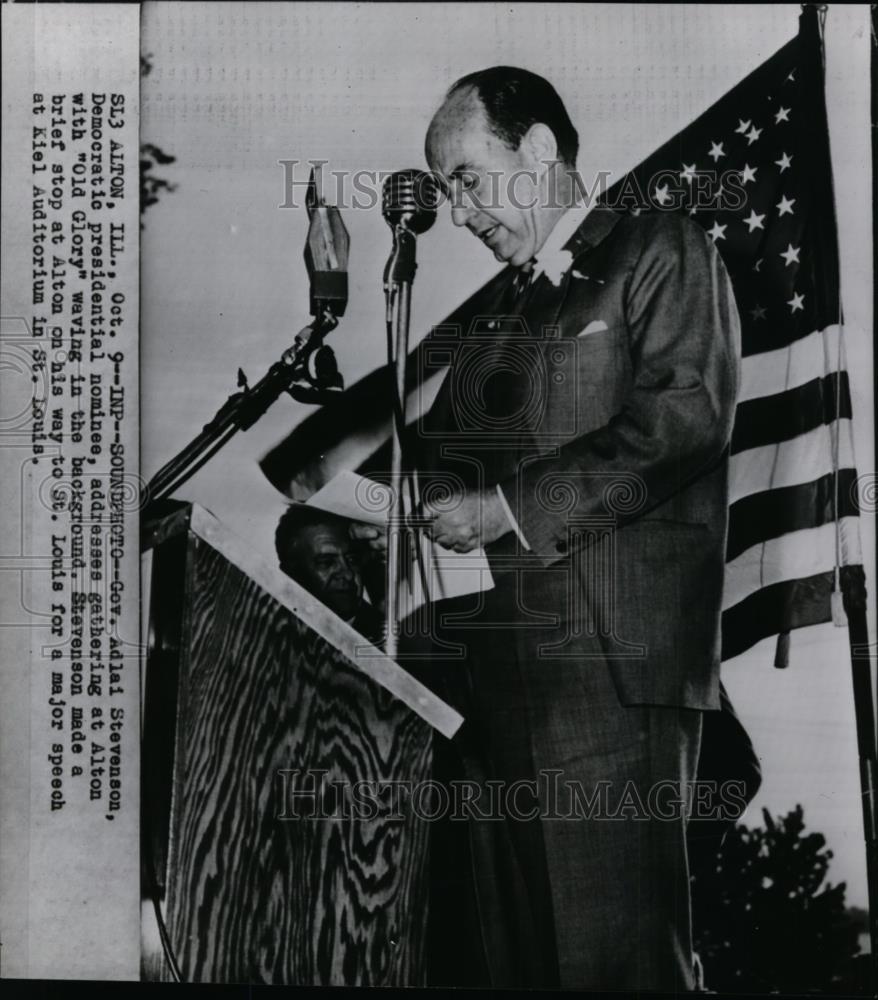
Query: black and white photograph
[438,473]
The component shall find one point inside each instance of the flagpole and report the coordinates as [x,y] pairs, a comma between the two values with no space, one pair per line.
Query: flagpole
[852,578]
[861,674]
[861,652]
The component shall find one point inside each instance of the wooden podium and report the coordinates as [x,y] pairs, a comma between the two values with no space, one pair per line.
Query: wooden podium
[263,860]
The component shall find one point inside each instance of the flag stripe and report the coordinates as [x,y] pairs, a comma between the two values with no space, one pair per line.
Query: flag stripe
[758,339]
[773,513]
[423,394]
[789,463]
[779,607]
[787,414]
[793,555]
[776,371]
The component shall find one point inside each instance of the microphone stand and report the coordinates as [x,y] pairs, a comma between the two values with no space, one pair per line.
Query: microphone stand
[307,371]
[398,278]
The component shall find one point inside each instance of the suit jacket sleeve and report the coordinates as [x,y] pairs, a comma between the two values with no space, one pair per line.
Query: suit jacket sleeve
[675,422]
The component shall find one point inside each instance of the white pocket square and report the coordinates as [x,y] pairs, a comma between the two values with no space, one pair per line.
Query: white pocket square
[595,326]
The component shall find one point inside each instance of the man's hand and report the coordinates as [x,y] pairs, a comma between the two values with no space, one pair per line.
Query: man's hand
[467,521]
[376,538]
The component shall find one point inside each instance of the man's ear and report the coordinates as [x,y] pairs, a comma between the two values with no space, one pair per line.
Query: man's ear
[540,145]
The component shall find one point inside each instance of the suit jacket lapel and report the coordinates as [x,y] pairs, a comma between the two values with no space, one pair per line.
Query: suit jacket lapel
[596,226]
[543,307]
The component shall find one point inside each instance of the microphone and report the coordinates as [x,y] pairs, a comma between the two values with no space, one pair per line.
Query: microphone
[326,260]
[409,199]
[326,257]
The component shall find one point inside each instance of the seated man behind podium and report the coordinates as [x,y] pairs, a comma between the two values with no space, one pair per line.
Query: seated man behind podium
[315,549]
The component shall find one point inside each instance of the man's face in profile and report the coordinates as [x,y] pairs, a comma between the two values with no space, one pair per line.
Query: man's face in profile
[323,562]
[492,187]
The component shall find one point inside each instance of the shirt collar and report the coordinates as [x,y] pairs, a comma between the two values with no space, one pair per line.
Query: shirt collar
[565,227]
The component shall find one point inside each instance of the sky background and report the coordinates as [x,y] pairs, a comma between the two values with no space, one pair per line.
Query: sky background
[234,88]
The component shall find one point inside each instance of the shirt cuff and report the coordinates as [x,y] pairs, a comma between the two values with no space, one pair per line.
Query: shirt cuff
[511,517]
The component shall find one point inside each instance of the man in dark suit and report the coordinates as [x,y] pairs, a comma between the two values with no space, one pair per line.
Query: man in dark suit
[581,436]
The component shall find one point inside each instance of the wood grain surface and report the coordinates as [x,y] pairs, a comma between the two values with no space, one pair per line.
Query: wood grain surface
[264,705]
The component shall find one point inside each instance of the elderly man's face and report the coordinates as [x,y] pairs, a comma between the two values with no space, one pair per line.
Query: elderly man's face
[322,561]
[491,187]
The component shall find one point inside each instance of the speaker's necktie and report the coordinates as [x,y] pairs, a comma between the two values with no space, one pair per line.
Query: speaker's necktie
[522,283]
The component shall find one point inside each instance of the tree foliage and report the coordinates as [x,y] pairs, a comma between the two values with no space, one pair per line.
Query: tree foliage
[152,156]
[766,919]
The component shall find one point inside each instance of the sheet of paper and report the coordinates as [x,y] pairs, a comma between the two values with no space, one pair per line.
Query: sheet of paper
[447,574]
[354,497]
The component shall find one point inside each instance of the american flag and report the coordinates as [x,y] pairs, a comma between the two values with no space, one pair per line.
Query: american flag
[754,171]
